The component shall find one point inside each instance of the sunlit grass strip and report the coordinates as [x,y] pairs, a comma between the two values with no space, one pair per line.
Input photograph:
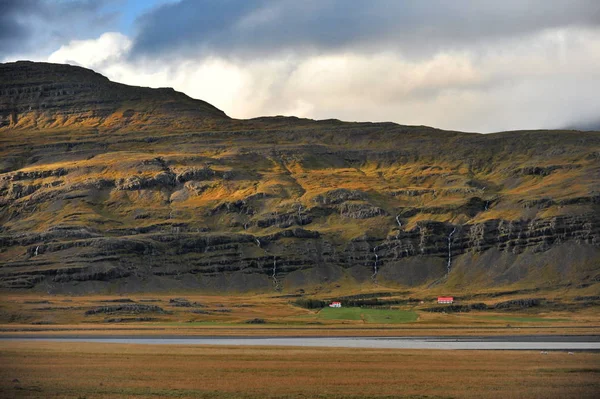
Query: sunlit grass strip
[379,316]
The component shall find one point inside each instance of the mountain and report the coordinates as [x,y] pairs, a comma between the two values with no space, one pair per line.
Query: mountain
[41,95]
[111,188]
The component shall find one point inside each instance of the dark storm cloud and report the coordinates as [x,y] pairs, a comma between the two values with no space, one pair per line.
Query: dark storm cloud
[246,27]
[37,26]
[12,32]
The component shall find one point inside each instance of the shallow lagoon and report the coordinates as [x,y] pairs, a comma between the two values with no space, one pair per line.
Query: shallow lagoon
[487,343]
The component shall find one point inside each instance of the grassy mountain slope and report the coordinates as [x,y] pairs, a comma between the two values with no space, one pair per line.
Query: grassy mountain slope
[105,186]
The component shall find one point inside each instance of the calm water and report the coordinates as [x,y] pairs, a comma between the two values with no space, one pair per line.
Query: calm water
[488,343]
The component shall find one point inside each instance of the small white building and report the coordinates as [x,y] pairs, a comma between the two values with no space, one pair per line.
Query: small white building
[445,299]
[335,305]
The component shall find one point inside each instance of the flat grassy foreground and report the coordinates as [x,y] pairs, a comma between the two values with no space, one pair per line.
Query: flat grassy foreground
[184,311]
[88,370]
[375,316]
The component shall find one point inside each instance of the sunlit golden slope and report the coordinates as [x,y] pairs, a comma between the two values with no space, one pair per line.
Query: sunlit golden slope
[106,186]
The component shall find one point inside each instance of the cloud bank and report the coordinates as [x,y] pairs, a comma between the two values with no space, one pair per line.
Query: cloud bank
[241,27]
[39,26]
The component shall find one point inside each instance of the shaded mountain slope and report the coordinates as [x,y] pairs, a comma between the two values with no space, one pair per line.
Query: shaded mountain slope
[41,95]
[179,196]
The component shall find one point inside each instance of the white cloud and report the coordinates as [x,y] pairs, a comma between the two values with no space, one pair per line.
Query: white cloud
[109,48]
[545,80]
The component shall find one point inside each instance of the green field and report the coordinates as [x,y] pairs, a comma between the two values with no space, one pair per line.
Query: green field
[376,316]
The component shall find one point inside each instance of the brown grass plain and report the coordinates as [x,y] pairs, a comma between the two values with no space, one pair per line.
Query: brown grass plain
[89,370]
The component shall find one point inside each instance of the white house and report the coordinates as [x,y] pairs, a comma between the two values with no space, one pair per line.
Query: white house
[335,305]
[445,299]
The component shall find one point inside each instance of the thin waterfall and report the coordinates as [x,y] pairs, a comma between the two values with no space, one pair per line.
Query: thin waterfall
[274,275]
[450,249]
[375,266]
[274,270]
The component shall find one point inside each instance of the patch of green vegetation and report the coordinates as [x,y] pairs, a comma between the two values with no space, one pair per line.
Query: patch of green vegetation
[309,303]
[523,319]
[374,316]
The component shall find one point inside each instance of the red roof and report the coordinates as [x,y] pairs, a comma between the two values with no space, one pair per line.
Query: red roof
[445,298]
[334,302]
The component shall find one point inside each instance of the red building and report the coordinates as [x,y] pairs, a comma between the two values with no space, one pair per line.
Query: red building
[445,299]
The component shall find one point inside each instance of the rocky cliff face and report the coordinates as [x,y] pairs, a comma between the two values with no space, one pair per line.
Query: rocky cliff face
[296,256]
[105,186]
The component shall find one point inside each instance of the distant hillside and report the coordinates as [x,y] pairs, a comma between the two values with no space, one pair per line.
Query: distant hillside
[108,187]
[41,95]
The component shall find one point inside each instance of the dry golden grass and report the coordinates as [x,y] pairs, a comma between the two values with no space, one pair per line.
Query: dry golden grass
[87,370]
[296,180]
